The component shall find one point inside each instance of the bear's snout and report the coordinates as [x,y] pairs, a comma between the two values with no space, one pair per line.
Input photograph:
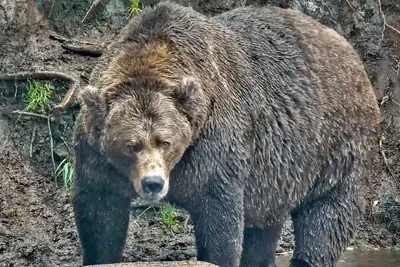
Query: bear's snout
[153,184]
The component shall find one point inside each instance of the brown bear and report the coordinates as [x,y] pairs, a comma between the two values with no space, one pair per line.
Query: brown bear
[242,119]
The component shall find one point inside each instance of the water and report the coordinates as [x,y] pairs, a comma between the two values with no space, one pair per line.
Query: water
[352,258]
[357,258]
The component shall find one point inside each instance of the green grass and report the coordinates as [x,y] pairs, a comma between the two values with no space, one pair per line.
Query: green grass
[66,171]
[168,215]
[134,8]
[38,97]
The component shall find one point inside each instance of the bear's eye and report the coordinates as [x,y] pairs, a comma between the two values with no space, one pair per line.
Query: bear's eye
[163,144]
[134,147]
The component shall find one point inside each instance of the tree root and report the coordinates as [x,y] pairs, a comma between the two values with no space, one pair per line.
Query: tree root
[63,39]
[385,24]
[82,49]
[44,75]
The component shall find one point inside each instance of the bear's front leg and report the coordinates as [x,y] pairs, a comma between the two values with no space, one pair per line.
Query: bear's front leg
[101,205]
[218,223]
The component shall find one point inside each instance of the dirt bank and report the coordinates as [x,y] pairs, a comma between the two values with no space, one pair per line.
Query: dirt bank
[36,223]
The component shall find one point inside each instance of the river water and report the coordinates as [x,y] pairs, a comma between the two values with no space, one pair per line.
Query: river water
[356,258]
[351,258]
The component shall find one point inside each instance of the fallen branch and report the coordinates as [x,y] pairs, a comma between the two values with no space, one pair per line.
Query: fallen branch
[385,24]
[69,96]
[82,49]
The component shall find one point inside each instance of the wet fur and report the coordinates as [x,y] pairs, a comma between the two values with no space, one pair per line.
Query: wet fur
[282,121]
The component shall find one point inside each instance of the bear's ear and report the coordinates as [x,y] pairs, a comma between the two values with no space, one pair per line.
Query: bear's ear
[90,95]
[187,90]
[191,101]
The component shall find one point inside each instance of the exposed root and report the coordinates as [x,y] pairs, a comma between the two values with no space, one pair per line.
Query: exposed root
[36,75]
[385,24]
[26,113]
[82,49]
[69,96]
[63,39]
[94,4]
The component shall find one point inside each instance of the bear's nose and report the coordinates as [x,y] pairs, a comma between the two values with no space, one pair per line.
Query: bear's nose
[153,184]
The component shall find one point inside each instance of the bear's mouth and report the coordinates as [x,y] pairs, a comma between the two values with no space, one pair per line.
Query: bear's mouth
[151,195]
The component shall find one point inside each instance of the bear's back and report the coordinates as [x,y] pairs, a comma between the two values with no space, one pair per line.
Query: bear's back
[313,62]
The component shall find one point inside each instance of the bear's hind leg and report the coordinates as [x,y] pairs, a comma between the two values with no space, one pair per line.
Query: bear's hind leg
[324,227]
[101,207]
[259,246]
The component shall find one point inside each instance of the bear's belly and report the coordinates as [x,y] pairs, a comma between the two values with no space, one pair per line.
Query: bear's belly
[265,207]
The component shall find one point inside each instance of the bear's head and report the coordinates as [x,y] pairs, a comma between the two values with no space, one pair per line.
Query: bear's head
[145,125]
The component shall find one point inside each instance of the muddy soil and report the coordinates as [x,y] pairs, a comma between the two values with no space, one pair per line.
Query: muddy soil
[36,221]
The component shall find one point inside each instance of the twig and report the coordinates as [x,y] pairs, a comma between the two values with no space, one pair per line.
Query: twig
[52,149]
[385,160]
[16,91]
[385,24]
[146,206]
[94,4]
[186,222]
[81,49]
[65,143]
[32,140]
[69,96]
[52,2]
[20,112]
[350,5]
[140,215]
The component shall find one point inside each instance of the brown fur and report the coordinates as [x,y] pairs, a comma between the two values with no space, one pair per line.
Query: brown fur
[249,117]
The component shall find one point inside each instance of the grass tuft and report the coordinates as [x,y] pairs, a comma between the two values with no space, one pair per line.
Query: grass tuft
[38,97]
[168,215]
[134,8]
[66,170]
